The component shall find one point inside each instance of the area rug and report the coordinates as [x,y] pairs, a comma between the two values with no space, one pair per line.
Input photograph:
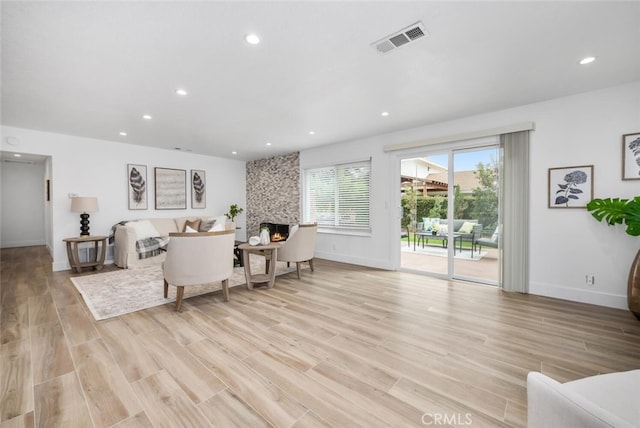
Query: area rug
[432,250]
[120,292]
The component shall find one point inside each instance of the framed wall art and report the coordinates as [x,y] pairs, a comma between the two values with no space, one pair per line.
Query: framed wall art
[570,186]
[137,184]
[171,188]
[198,189]
[631,156]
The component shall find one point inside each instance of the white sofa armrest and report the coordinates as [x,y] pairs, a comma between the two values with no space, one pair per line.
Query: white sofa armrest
[125,246]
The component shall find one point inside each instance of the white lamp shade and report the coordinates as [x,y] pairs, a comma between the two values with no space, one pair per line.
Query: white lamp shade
[84,204]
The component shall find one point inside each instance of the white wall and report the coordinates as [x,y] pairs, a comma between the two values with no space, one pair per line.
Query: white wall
[23,212]
[98,168]
[565,245]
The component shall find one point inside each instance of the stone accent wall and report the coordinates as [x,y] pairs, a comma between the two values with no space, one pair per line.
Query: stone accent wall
[273,191]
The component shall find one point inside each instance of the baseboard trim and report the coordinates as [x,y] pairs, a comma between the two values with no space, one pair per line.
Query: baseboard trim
[13,244]
[343,258]
[577,295]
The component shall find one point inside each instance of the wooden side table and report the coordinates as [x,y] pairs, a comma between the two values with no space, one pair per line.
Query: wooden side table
[270,253]
[95,262]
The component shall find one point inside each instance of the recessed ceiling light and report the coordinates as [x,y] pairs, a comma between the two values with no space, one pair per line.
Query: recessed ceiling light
[234,153]
[384,114]
[146,116]
[252,39]
[124,134]
[587,60]
[17,155]
[181,92]
[268,144]
[312,132]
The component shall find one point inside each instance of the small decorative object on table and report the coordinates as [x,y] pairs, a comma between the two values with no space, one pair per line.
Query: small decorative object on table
[84,205]
[265,238]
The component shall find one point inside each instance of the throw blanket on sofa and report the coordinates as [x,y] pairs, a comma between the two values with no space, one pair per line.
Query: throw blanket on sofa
[150,247]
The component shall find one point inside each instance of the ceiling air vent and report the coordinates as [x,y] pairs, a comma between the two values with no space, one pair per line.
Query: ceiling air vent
[400,38]
[18,161]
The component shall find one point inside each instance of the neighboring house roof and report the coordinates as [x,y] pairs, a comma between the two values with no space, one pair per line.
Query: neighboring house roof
[467,180]
[437,182]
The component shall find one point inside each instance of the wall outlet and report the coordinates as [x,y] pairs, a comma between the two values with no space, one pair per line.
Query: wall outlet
[590,279]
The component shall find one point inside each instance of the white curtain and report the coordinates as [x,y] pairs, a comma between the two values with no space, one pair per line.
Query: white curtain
[515,201]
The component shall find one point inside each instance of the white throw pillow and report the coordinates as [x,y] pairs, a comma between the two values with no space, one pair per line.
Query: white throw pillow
[217,227]
[144,229]
[189,229]
[221,219]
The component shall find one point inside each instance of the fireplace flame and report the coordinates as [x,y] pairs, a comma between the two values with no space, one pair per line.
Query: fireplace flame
[277,237]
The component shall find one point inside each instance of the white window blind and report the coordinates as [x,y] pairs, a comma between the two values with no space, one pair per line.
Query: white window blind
[339,196]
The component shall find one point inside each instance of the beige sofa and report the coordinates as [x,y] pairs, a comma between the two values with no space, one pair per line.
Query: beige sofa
[126,236]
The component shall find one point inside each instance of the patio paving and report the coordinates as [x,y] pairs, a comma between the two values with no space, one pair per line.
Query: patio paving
[484,268]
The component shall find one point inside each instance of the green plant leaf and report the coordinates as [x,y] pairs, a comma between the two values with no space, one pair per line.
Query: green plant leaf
[618,211]
[611,210]
[633,219]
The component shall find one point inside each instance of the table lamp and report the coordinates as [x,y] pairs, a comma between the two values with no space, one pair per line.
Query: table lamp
[84,205]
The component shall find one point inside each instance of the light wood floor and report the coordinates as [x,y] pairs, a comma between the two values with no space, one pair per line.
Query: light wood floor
[345,346]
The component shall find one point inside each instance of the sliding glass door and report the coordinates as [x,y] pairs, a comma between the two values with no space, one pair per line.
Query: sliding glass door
[451,213]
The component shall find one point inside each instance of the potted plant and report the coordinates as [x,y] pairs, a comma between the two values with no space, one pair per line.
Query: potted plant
[234,211]
[627,212]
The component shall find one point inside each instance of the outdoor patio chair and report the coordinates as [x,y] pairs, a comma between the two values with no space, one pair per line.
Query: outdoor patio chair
[492,242]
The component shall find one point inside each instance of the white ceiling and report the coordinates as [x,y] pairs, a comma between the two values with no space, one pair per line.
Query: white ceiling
[94,68]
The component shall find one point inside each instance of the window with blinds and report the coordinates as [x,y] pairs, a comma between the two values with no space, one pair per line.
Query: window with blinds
[338,196]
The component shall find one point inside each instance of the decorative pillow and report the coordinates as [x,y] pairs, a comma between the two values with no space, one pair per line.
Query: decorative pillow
[426,224]
[206,225]
[443,229]
[431,224]
[144,229]
[195,224]
[188,229]
[467,227]
[217,227]
[221,219]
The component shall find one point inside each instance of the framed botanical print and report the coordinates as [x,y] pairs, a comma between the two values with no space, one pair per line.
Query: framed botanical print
[171,188]
[631,156]
[137,183]
[570,186]
[198,189]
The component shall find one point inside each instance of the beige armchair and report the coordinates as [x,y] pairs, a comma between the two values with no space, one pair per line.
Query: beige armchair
[198,258]
[300,246]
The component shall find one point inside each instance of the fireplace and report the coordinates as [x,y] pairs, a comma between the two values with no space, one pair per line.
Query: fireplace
[277,232]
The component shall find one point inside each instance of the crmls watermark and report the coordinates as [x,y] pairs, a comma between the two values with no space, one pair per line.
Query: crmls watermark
[455,419]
